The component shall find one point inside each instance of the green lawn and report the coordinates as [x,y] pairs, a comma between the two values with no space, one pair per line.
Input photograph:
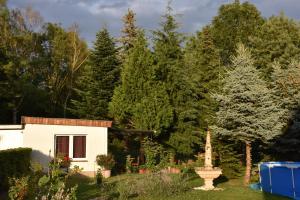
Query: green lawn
[232,190]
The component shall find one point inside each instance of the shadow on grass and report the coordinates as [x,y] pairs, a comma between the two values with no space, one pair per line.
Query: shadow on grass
[220,179]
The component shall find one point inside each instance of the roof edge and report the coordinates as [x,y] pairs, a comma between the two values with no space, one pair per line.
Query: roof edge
[65,121]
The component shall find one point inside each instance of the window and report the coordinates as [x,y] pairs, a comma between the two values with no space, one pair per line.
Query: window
[79,146]
[62,145]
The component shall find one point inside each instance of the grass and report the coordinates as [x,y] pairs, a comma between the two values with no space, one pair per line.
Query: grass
[232,190]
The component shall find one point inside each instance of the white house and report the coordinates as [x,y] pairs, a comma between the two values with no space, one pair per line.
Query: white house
[81,140]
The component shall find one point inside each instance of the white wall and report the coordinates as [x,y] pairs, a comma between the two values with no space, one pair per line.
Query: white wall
[41,138]
[10,137]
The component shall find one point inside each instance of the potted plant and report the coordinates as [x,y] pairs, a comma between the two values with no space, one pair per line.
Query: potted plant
[173,168]
[106,162]
[143,169]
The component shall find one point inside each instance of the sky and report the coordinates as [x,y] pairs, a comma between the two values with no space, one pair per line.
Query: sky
[92,15]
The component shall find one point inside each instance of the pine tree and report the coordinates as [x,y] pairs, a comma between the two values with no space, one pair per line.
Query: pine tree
[248,111]
[97,90]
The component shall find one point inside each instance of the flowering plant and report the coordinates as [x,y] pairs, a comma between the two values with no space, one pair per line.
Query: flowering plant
[63,160]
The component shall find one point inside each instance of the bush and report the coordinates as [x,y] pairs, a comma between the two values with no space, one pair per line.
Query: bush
[13,163]
[106,161]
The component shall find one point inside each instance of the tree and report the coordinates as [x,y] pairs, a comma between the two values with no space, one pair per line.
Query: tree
[277,40]
[248,111]
[286,83]
[129,31]
[97,90]
[235,23]
[203,71]
[78,54]
[139,101]
[170,72]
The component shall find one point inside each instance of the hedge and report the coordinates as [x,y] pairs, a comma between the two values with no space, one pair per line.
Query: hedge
[13,163]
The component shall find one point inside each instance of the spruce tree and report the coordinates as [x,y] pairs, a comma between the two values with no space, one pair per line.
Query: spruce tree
[248,111]
[96,91]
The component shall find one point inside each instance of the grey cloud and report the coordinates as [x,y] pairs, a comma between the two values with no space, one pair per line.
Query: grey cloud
[92,14]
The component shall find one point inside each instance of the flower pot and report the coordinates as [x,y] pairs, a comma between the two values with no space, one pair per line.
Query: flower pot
[106,173]
[144,171]
[174,170]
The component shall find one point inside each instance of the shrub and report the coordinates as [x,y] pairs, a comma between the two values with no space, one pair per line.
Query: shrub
[106,161]
[19,189]
[13,163]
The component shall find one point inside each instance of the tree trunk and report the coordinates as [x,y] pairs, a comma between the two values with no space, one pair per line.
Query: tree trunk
[14,112]
[248,164]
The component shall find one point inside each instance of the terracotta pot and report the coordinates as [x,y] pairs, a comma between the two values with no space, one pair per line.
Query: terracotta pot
[174,170]
[106,173]
[144,171]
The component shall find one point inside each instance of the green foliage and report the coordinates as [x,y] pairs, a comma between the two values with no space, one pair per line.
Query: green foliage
[234,24]
[106,161]
[99,177]
[129,166]
[13,163]
[203,71]
[277,40]
[152,153]
[95,87]
[248,110]
[154,185]
[19,189]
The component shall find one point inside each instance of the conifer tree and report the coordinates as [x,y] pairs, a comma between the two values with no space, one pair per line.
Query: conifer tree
[140,102]
[170,72]
[248,111]
[129,31]
[97,90]
[203,71]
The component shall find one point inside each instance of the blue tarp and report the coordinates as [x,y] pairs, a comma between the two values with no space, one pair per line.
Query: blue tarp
[282,178]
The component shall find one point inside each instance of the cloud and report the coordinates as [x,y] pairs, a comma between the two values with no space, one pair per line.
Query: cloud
[91,15]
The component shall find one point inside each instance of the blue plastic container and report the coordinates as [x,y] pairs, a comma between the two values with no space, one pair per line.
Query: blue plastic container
[282,178]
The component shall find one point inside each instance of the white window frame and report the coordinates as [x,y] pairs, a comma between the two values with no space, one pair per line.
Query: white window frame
[71,136]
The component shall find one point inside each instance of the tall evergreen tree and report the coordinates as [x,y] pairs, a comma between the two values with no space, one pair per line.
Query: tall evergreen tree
[248,111]
[203,71]
[235,23]
[169,72]
[97,90]
[140,102]
[129,31]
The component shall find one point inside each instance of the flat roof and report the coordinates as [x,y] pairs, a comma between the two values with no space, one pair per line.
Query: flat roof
[10,127]
[64,121]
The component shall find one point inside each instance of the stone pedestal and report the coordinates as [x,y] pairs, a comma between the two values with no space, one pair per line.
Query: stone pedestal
[208,172]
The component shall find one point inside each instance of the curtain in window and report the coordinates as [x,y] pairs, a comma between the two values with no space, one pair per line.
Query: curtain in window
[62,145]
[79,146]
